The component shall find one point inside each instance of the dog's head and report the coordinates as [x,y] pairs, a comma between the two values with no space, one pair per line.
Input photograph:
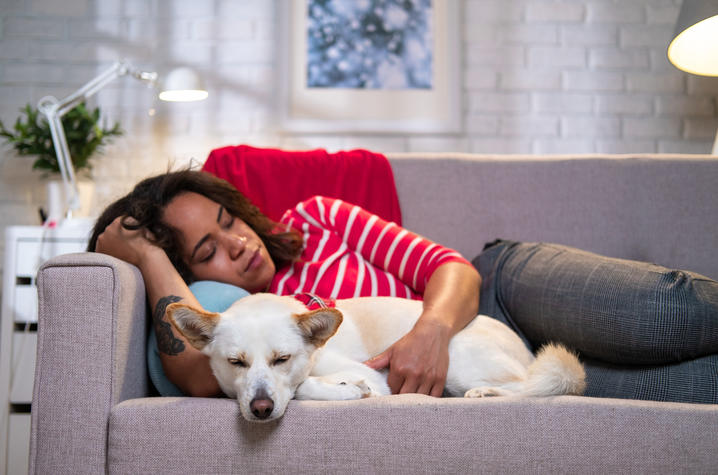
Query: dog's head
[260,348]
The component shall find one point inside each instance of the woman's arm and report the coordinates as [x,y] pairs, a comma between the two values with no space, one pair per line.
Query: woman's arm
[419,361]
[185,366]
[406,256]
[449,285]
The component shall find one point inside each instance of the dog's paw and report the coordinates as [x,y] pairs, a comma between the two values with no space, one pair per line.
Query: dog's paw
[365,389]
[349,387]
[482,391]
[346,391]
[369,390]
[335,388]
[354,389]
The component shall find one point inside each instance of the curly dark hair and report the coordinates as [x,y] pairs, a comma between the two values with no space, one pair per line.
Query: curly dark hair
[147,201]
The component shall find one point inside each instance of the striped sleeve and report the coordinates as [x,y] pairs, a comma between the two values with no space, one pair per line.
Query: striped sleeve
[407,256]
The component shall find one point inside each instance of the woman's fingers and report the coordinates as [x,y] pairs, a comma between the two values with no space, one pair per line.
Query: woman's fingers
[130,245]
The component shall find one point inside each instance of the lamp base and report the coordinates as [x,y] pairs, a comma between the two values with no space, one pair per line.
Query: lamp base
[57,201]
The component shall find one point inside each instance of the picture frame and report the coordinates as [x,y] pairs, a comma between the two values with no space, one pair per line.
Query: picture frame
[434,109]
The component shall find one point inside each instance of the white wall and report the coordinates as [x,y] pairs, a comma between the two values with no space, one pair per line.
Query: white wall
[539,76]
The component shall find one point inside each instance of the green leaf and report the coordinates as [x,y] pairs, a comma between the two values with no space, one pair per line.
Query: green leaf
[31,136]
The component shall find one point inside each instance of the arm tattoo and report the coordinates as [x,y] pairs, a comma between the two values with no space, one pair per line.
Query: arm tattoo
[167,342]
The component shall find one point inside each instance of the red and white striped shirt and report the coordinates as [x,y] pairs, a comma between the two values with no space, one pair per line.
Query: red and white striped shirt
[349,252]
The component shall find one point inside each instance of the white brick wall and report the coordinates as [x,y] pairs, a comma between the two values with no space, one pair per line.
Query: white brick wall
[539,76]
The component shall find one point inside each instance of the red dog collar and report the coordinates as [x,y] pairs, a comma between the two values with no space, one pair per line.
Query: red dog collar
[313,302]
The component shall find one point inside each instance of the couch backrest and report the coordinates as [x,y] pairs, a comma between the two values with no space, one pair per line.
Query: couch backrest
[655,208]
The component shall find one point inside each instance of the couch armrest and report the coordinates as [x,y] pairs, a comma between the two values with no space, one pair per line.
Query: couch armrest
[92,333]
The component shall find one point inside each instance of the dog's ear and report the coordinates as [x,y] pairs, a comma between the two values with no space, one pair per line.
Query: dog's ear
[319,325]
[196,325]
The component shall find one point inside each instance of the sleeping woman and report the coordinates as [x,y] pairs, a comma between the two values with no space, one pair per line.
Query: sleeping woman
[642,331]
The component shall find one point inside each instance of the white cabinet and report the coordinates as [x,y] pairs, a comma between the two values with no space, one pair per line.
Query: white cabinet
[26,248]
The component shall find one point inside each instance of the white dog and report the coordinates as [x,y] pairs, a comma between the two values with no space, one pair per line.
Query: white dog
[266,349]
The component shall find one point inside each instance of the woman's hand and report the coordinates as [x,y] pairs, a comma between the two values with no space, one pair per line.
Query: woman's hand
[419,361]
[187,367]
[131,246]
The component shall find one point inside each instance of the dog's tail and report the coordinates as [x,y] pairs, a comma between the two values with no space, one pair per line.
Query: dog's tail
[554,372]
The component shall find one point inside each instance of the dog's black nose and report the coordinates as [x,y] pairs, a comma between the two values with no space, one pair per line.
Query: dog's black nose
[261,408]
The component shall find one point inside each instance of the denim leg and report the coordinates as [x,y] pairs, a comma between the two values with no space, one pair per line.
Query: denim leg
[613,310]
[694,381]
[489,264]
[642,331]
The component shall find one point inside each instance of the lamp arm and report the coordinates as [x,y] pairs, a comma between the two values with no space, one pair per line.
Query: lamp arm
[118,69]
[54,109]
[64,161]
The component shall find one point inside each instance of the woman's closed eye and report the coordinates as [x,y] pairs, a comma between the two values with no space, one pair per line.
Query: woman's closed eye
[206,248]
[208,255]
[228,224]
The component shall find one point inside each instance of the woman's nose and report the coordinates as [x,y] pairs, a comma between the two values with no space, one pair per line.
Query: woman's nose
[235,244]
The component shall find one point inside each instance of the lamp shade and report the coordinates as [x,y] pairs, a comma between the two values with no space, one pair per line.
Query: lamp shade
[694,48]
[182,85]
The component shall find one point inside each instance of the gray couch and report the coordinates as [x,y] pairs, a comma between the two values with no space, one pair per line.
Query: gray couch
[91,410]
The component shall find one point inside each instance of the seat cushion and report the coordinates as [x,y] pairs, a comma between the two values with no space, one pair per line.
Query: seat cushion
[413,434]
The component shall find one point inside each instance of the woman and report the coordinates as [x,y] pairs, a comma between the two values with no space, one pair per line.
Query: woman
[643,331]
[184,226]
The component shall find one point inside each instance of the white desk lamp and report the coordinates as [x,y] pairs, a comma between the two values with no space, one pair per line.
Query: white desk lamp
[694,48]
[182,84]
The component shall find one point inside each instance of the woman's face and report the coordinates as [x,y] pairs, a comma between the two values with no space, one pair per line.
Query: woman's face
[218,246]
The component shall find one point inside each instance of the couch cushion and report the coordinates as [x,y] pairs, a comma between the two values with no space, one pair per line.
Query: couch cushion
[653,208]
[414,434]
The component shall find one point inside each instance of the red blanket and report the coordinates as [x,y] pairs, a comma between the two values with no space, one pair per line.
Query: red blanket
[276,180]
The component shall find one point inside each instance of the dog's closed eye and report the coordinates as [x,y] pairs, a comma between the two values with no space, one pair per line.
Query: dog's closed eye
[237,362]
[281,359]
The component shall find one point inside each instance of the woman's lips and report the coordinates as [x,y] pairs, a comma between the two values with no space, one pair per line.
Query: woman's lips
[254,261]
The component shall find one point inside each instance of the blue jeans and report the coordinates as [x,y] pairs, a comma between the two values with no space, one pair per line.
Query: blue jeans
[642,331]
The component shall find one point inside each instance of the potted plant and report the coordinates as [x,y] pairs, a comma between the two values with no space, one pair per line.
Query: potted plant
[85,136]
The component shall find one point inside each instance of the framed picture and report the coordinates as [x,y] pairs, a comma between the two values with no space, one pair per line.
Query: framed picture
[381,66]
